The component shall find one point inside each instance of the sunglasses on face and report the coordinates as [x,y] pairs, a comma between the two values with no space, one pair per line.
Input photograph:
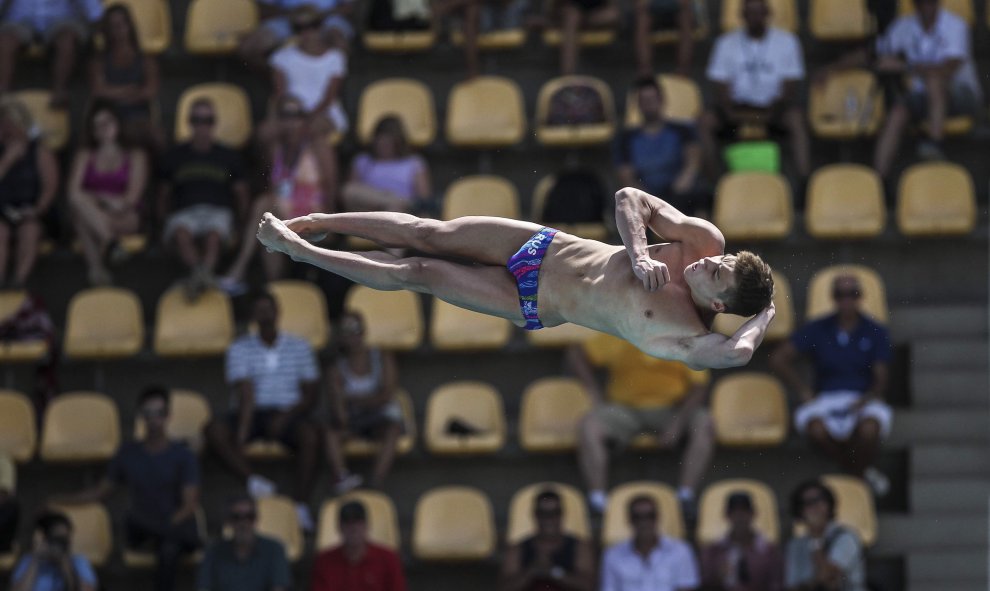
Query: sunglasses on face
[547,513]
[300,27]
[645,516]
[202,120]
[243,516]
[842,294]
[812,500]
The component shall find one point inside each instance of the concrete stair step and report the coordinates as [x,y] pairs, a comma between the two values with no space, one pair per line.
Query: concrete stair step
[945,567]
[948,388]
[950,496]
[940,461]
[918,427]
[901,534]
[915,322]
[969,352]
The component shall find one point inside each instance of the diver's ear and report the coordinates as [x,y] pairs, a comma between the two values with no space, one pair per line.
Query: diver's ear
[718,305]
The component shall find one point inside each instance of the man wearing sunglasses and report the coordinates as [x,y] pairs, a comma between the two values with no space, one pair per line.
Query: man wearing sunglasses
[843,413]
[162,479]
[246,561]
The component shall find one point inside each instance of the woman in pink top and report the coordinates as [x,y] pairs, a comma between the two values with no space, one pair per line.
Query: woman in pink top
[107,182]
[389,177]
[302,180]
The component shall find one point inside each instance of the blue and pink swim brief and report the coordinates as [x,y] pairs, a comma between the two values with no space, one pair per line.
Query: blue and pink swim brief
[525,267]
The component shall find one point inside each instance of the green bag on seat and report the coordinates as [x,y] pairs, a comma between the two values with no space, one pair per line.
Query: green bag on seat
[760,156]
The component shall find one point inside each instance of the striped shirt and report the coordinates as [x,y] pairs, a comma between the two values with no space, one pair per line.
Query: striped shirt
[276,372]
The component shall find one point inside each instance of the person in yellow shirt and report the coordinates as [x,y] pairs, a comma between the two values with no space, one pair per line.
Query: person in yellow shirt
[642,395]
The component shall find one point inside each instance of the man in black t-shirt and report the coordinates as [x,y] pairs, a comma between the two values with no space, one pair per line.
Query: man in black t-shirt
[202,185]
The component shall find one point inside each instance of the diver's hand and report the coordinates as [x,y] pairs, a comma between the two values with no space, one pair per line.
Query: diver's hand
[651,272]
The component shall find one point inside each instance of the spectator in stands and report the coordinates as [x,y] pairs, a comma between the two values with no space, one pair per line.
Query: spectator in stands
[549,560]
[62,24]
[645,395]
[162,479]
[127,77]
[246,561]
[756,71]
[850,352]
[389,177]
[744,560]
[666,15]
[203,184]
[828,555]
[303,180]
[51,564]
[28,181]
[357,564]
[10,509]
[660,157]
[276,28]
[396,16]
[927,59]
[649,560]
[106,185]
[313,71]
[573,15]
[274,378]
[478,17]
[363,383]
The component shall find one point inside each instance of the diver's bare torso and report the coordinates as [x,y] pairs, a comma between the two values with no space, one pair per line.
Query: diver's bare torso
[591,283]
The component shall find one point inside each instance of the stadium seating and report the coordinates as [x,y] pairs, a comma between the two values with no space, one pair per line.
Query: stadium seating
[587,38]
[481,195]
[712,522]
[853,506]
[145,559]
[232,108]
[8,560]
[80,427]
[53,123]
[18,351]
[399,41]
[364,448]
[783,15]
[574,135]
[92,534]
[963,8]
[820,300]
[454,328]
[753,206]
[277,519]
[840,21]
[410,100]
[201,328]
[681,97]
[522,524]
[473,404]
[845,201]
[590,230]
[393,319]
[615,522]
[848,106]
[493,40]
[783,322]
[153,20]
[302,311]
[671,36]
[749,409]
[936,199]
[104,323]
[486,112]
[189,412]
[18,431]
[453,524]
[217,26]
[549,414]
[383,522]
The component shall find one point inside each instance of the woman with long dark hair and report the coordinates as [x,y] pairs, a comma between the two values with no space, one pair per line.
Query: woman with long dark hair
[389,177]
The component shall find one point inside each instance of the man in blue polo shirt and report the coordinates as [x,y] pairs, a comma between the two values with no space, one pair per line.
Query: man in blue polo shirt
[847,418]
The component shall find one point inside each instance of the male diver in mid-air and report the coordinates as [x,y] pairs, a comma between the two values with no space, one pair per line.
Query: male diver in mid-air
[664,302]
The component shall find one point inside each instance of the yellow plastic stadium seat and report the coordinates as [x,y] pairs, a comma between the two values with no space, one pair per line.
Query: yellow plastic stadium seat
[840,20]
[589,230]
[962,8]
[682,101]
[522,524]
[53,123]
[18,434]
[399,41]
[8,560]
[453,523]
[615,522]
[827,105]
[302,310]
[267,450]
[410,100]
[217,26]
[486,112]
[383,522]
[559,336]
[80,427]
[493,40]
[936,199]
[201,328]
[820,301]
[753,206]
[712,524]
[365,448]
[393,319]
[854,505]
[277,519]
[144,559]
[189,412]
[783,323]
[153,22]
[549,414]
[578,135]
[845,201]
[783,15]
[104,323]
[481,195]
[475,404]
[92,535]
[232,108]
[749,409]
[20,351]
[586,38]
[958,125]
[453,328]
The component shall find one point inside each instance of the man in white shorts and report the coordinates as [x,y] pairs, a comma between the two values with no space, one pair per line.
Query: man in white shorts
[850,352]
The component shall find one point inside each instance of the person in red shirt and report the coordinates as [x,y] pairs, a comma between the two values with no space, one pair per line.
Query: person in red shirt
[357,564]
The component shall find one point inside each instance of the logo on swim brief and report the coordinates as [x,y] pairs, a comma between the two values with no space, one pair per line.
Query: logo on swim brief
[535,243]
